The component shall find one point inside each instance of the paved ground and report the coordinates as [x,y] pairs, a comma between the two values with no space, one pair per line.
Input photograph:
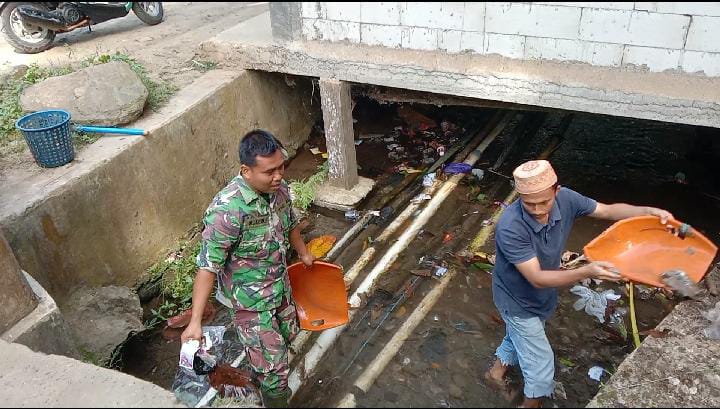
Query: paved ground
[167,49]
[37,380]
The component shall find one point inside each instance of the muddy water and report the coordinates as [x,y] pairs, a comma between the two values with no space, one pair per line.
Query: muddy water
[441,365]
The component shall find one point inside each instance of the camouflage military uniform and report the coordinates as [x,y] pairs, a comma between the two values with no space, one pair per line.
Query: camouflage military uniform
[245,243]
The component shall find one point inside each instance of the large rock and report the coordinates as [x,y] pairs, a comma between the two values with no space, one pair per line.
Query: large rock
[105,94]
[102,318]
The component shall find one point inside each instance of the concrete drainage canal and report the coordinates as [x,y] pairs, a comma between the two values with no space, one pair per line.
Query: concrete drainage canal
[435,291]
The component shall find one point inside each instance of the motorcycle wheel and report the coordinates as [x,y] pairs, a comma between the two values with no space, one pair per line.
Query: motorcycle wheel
[25,38]
[149,12]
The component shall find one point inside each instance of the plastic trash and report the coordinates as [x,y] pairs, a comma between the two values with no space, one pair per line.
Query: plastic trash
[352,215]
[680,282]
[421,198]
[713,330]
[429,179]
[456,168]
[596,372]
[440,271]
[594,303]
[479,174]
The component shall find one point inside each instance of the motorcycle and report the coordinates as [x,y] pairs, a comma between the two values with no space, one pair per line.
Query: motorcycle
[30,27]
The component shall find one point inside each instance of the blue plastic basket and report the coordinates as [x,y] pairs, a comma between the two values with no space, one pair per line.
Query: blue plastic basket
[48,135]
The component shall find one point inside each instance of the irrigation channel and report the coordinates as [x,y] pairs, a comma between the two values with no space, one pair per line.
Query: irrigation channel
[416,340]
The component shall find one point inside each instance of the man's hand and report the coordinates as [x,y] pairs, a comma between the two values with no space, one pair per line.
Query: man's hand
[602,270]
[193,331]
[664,215]
[307,259]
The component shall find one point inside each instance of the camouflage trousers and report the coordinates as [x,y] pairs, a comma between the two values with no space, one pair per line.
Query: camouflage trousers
[266,337]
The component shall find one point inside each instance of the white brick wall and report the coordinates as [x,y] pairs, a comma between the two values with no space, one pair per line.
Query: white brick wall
[316,29]
[474,17]
[659,35]
[507,45]
[387,13]
[704,34]
[602,54]
[532,20]
[349,11]
[419,38]
[448,16]
[472,41]
[657,30]
[709,63]
[450,40]
[655,59]
[691,8]
[388,36]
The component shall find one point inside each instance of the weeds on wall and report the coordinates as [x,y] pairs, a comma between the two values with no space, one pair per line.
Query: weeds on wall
[11,140]
[303,192]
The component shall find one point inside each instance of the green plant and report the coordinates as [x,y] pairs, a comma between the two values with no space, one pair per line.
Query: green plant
[304,191]
[204,65]
[178,276]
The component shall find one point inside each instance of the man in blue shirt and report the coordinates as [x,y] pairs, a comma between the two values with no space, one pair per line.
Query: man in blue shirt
[530,239]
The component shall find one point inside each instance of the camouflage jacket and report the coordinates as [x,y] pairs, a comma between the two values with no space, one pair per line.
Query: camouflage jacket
[245,243]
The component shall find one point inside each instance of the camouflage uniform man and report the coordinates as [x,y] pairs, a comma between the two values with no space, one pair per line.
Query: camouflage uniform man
[249,227]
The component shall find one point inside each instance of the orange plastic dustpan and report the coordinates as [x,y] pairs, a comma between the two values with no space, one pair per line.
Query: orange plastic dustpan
[320,295]
[643,249]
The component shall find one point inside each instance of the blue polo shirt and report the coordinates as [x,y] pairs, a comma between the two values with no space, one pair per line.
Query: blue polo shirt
[519,238]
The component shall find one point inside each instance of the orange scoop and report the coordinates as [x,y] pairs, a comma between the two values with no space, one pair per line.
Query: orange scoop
[320,295]
[643,249]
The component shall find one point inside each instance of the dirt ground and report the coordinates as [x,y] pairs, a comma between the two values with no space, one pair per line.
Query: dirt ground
[167,50]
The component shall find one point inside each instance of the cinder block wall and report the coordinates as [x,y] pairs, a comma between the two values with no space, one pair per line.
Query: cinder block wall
[660,36]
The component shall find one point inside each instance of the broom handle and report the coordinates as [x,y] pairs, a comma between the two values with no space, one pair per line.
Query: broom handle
[122,131]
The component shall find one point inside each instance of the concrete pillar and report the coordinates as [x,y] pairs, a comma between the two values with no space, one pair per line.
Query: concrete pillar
[16,297]
[337,115]
[286,21]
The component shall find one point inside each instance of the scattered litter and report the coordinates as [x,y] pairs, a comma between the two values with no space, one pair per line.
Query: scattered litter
[478,173]
[680,282]
[325,155]
[559,392]
[429,179]
[457,168]
[406,361]
[421,198]
[352,215]
[596,372]
[421,273]
[440,271]
[315,151]
[441,150]
[436,318]
[320,246]
[412,170]
[681,178]
[475,212]
[594,303]
[501,204]
[187,353]
[415,119]
[713,331]
[487,222]
[483,266]
[359,142]
[447,238]
[460,326]
[391,139]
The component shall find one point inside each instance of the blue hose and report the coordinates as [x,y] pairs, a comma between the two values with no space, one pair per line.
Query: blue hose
[121,131]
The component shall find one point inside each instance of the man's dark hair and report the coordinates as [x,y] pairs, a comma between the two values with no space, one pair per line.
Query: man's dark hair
[257,142]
